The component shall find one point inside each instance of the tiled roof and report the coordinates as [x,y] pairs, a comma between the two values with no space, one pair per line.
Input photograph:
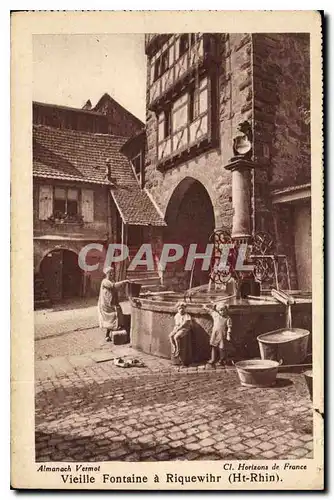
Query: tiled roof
[74,155]
[78,155]
[135,207]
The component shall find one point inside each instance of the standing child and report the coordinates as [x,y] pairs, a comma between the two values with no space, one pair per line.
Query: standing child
[181,329]
[221,332]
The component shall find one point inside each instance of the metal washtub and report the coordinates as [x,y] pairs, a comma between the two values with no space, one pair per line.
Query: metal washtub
[286,344]
[309,382]
[257,372]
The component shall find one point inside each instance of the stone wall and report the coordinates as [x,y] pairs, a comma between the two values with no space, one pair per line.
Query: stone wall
[281,111]
[50,236]
[264,79]
[235,87]
[281,131]
[98,229]
[234,75]
[91,280]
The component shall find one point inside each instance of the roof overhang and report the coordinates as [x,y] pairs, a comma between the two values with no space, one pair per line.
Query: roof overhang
[133,222]
[117,206]
[68,178]
[291,194]
[55,237]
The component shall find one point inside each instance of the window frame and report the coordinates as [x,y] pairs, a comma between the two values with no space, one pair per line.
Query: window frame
[193,106]
[188,40]
[183,44]
[156,72]
[167,123]
[161,65]
[164,66]
[199,115]
[67,188]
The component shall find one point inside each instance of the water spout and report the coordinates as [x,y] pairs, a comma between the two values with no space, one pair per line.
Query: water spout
[287,300]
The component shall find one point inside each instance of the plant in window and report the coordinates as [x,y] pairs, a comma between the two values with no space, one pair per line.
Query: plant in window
[66,205]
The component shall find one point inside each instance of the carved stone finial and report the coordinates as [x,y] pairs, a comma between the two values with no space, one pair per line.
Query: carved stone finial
[243,141]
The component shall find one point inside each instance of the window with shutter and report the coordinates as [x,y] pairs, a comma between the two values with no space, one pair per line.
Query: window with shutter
[45,202]
[87,205]
[59,201]
[72,201]
[65,202]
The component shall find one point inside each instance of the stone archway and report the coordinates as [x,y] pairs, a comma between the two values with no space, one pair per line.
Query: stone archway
[62,275]
[190,219]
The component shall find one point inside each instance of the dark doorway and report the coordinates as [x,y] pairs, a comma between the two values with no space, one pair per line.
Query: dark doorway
[72,276]
[136,235]
[62,275]
[190,219]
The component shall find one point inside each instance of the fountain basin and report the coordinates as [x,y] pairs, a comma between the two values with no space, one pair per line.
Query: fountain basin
[152,319]
[286,344]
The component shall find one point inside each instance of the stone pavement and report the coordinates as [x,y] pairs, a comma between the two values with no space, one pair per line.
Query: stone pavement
[95,411]
[98,360]
[76,343]
[81,316]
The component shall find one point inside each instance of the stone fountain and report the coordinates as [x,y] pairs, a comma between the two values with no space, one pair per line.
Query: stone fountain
[252,309]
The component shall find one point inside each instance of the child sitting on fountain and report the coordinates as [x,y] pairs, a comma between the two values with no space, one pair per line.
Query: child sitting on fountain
[221,332]
[181,329]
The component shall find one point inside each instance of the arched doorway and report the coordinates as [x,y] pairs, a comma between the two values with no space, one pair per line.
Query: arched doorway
[62,275]
[190,219]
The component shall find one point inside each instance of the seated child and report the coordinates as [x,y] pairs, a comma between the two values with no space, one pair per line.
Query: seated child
[182,327]
[221,332]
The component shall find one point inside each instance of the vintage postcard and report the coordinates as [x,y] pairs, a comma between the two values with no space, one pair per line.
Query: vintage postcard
[167,251]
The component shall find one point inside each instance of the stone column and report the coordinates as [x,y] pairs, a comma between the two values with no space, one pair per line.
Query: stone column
[241,198]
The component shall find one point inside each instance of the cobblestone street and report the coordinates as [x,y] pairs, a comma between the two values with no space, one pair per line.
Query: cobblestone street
[71,317]
[88,409]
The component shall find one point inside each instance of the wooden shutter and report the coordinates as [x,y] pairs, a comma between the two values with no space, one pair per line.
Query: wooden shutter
[87,205]
[45,202]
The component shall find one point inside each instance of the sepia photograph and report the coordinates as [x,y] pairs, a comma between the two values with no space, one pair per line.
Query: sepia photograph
[171,200]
